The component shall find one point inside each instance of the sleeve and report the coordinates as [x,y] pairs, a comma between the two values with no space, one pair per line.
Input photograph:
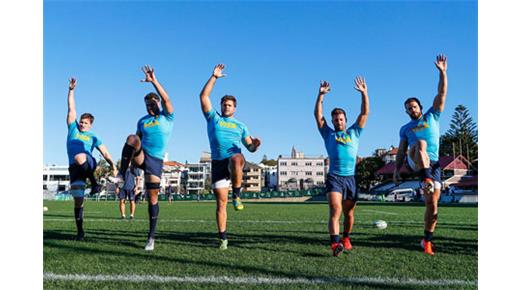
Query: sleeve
[73,126]
[434,113]
[97,142]
[356,129]
[168,116]
[325,130]
[402,134]
[211,114]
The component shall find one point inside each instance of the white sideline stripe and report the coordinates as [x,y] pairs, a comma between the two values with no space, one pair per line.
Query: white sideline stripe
[379,211]
[252,280]
[117,220]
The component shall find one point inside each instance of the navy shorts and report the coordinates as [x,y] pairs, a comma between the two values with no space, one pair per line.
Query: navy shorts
[151,165]
[220,170]
[75,172]
[434,171]
[127,194]
[346,185]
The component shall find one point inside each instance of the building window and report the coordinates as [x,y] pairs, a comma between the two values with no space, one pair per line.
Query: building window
[283,163]
[294,163]
[319,163]
[308,173]
[283,172]
[308,163]
[319,173]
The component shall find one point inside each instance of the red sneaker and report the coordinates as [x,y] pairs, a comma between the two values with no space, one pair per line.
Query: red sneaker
[337,249]
[428,247]
[346,244]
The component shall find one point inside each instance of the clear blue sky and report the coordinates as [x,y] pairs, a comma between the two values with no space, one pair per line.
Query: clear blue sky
[275,54]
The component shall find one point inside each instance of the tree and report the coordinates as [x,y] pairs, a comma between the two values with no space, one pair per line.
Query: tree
[268,162]
[462,136]
[365,172]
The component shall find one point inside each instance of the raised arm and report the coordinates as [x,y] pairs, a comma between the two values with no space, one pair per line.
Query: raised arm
[205,102]
[104,152]
[318,108]
[399,160]
[150,78]
[442,65]
[71,112]
[361,86]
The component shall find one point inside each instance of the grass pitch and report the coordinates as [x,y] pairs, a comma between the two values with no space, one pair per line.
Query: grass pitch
[281,245]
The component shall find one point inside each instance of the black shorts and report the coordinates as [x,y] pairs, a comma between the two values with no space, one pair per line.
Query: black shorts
[220,170]
[151,165]
[346,185]
[76,174]
[127,194]
[434,170]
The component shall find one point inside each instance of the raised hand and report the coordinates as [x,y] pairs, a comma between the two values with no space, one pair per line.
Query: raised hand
[361,85]
[442,62]
[149,74]
[217,71]
[72,83]
[324,87]
[256,142]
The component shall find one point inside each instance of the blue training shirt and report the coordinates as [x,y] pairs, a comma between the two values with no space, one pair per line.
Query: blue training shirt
[225,135]
[342,148]
[425,128]
[155,132]
[130,175]
[80,142]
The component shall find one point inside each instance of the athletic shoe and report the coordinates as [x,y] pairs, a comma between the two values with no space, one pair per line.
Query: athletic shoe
[346,244]
[337,249]
[131,217]
[80,237]
[427,185]
[223,244]
[119,179]
[149,245]
[428,247]
[237,203]
[95,189]
[123,217]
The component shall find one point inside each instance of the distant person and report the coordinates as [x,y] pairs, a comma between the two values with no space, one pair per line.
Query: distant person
[227,162]
[420,137]
[128,191]
[169,194]
[146,149]
[82,165]
[342,147]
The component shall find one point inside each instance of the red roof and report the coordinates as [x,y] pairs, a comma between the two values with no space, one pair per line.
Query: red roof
[466,182]
[174,163]
[446,163]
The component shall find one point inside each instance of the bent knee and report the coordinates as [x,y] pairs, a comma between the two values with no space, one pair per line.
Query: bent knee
[80,158]
[133,140]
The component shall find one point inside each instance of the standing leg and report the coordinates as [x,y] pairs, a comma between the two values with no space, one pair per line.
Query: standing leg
[348,223]
[221,195]
[122,207]
[78,217]
[335,209]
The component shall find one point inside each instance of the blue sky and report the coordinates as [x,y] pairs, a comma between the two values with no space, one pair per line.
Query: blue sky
[275,54]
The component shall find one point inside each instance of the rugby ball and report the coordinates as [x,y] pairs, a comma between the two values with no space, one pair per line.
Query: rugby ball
[45,209]
[380,224]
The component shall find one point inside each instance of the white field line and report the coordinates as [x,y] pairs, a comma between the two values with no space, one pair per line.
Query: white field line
[118,220]
[254,280]
[379,211]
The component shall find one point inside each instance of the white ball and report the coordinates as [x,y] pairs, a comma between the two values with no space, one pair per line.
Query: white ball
[380,224]
[45,208]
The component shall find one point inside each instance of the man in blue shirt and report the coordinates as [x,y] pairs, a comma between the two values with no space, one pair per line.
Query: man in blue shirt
[225,134]
[342,147]
[128,191]
[146,149]
[82,165]
[420,137]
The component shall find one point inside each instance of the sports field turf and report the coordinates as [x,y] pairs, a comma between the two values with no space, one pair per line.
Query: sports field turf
[282,245]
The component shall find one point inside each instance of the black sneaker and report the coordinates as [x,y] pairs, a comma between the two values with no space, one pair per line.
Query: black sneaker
[95,189]
[80,237]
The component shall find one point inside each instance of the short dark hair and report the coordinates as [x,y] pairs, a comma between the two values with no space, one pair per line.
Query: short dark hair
[87,116]
[412,99]
[228,98]
[337,111]
[152,96]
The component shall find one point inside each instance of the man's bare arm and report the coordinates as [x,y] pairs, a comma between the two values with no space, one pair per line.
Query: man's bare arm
[361,87]
[104,152]
[318,107]
[165,99]
[205,101]
[71,112]
[442,90]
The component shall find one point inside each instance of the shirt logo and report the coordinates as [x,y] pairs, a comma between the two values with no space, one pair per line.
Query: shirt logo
[152,123]
[420,126]
[82,137]
[227,124]
[343,138]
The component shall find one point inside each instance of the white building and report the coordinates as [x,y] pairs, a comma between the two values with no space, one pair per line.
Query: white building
[56,178]
[172,174]
[199,174]
[270,174]
[298,172]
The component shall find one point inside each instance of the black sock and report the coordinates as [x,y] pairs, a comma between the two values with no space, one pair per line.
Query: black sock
[89,173]
[126,157]
[78,216]
[334,239]
[222,235]
[346,235]
[236,192]
[153,215]
[428,236]
[422,173]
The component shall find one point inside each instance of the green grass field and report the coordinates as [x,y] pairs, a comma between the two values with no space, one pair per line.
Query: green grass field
[280,245]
